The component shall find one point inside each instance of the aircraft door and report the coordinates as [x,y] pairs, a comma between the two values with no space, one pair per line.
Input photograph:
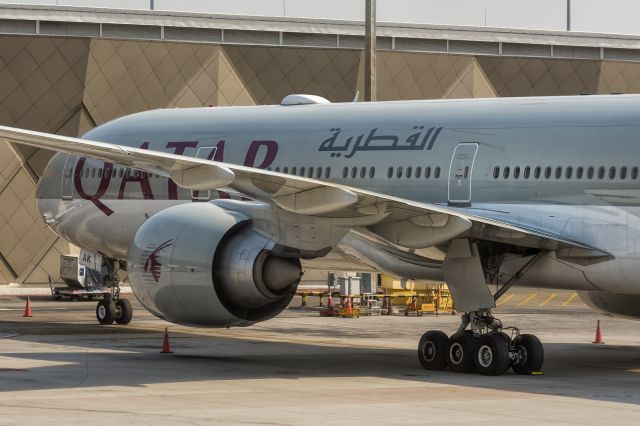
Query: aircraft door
[206,152]
[460,173]
[66,189]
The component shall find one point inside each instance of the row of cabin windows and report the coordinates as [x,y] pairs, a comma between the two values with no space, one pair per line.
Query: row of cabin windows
[309,172]
[408,173]
[558,172]
[94,172]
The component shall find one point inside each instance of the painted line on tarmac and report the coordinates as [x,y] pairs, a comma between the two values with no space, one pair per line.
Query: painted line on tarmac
[505,300]
[531,296]
[42,309]
[8,336]
[570,299]
[549,299]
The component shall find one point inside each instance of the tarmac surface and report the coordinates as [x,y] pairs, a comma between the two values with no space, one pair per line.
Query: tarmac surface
[61,367]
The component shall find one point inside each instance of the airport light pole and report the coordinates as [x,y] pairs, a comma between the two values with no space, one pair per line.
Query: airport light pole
[370,80]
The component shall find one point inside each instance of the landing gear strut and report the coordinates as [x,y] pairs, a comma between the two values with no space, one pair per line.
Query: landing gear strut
[481,345]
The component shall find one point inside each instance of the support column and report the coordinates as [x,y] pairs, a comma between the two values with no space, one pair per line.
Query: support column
[370,80]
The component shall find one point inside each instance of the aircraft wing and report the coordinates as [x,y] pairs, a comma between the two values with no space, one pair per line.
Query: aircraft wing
[401,221]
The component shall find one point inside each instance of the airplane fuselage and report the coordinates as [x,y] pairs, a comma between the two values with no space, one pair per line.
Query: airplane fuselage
[569,166]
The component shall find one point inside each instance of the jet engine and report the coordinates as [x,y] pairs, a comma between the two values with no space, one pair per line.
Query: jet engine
[200,264]
[613,304]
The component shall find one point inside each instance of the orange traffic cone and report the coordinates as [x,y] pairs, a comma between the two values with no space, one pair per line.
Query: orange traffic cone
[598,339]
[166,347]
[349,307]
[27,308]
[329,302]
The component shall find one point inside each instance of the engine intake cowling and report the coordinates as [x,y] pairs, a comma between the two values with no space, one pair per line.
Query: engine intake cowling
[613,304]
[200,264]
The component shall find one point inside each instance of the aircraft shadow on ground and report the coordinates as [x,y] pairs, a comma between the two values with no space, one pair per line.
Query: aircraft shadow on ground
[603,373]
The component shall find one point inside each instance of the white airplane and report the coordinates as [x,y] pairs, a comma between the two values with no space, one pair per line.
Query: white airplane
[534,191]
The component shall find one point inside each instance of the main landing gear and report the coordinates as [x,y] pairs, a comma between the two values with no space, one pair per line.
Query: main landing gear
[484,348]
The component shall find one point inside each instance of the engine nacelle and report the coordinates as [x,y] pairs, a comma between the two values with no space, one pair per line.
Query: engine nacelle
[613,304]
[200,264]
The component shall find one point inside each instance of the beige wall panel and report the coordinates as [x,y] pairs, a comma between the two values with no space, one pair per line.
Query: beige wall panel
[421,76]
[541,77]
[270,73]
[619,77]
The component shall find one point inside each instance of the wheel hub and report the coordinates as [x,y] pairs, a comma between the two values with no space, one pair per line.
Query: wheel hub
[430,351]
[522,354]
[485,356]
[102,311]
[456,353]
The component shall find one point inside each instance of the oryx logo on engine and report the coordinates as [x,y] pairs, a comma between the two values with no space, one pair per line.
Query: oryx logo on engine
[152,264]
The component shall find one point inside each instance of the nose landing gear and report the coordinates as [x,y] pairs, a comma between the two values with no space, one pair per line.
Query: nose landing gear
[484,348]
[109,310]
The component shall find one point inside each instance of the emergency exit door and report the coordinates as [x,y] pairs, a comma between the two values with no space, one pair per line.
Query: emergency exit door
[66,189]
[460,173]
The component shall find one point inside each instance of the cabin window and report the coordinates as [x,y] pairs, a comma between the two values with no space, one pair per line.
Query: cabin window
[278,169]
[496,172]
[547,172]
[558,172]
[318,172]
[294,170]
[399,172]
[427,172]
[354,172]
[285,170]
[409,172]
[436,173]
[93,172]
[536,172]
[505,172]
[527,172]
[579,172]
[345,172]
[418,172]
[623,172]
[568,173]
[372,172]
[516,172]
[327,173]
[390,172]
[363,172]
[600,172]
[302,170]
[634,173]
[612,172]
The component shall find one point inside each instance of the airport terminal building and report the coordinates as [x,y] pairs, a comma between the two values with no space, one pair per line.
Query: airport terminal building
[67,69]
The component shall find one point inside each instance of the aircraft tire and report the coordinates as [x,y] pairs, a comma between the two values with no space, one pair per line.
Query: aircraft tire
[462,351]
[106,311]
[124,311]
[531,354]
[432,350]
[492,355]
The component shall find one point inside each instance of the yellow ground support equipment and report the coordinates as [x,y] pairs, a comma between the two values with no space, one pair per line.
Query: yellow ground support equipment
[417,297]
